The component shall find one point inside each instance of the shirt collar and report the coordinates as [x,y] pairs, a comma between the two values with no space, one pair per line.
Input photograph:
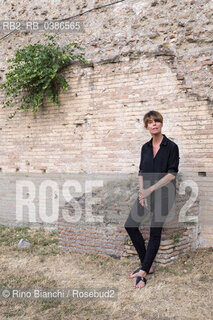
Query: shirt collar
[163,142]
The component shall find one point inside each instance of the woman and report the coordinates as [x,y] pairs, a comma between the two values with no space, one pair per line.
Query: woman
[159,162]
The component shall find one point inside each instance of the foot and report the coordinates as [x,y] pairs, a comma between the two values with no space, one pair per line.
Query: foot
[151,270]
[140,273]
[140,282]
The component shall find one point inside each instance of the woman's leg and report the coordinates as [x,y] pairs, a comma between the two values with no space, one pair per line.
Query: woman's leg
[138,242]
[161,211]
[136,216]
[152,248]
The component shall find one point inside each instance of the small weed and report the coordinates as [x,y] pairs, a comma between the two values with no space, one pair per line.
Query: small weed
[176,273]
[128,242]
[48,304]
[175,238]
[67,310]
[53,251]
[189,267]
[42,252]
[163,269]
[125,262]
[12,313]
[41,259]
[203,277]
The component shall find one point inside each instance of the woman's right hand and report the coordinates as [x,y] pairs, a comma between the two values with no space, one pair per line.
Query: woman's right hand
[142,200]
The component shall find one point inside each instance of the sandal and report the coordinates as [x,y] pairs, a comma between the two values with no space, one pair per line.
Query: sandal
[138,279]
[138,269]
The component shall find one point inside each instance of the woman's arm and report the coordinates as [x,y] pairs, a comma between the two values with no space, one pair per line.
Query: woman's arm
[162,182]
[173,163]
[142,201]
[141,183]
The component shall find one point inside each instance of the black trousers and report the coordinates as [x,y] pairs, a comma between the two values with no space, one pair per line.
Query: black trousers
[153,216]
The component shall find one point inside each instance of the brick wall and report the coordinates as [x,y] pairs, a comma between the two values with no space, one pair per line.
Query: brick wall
[109,235]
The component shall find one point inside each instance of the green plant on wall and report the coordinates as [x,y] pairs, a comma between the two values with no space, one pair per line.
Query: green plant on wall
[175,238]
[35,71]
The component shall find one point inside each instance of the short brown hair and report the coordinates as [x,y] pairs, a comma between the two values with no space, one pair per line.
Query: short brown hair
[155,114]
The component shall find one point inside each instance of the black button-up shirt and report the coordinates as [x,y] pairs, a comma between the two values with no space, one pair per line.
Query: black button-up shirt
[165,161]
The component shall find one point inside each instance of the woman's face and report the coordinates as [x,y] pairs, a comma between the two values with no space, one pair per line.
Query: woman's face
[153,126]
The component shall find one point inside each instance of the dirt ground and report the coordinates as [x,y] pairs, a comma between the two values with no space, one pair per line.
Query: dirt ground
[180,291]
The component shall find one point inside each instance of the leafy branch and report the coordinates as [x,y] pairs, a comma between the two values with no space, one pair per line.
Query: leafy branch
[35,71]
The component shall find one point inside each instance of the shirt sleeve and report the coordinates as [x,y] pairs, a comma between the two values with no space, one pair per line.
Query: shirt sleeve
[140,172]
[173,161]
